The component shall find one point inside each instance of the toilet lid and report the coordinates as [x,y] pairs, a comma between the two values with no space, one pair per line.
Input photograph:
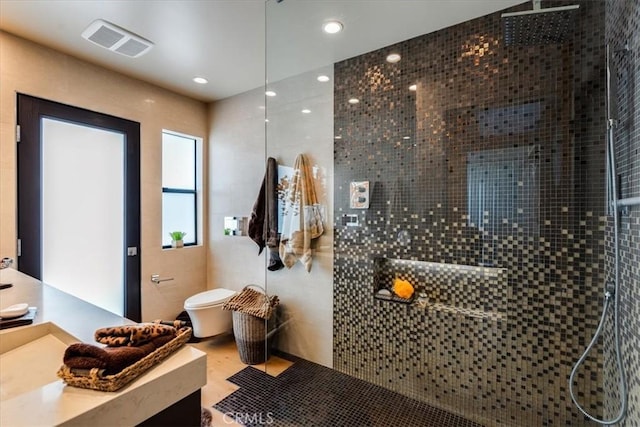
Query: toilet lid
[212,297]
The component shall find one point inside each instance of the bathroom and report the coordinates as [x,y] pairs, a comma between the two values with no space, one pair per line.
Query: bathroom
[512,299]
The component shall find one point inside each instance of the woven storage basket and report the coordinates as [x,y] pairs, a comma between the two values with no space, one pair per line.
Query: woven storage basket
[122,378]
[250,331]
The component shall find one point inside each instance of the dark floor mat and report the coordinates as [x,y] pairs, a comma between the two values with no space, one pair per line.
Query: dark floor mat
[308,394]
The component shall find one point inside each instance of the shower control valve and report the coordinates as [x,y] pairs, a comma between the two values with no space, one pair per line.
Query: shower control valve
[610,289]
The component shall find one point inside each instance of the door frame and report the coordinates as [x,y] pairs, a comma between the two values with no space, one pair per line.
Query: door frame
[29,152]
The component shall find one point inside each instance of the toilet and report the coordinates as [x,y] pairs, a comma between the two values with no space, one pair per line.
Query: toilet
[206,313]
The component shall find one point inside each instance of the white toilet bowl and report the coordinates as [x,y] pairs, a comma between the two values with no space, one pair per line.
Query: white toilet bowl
[206,313]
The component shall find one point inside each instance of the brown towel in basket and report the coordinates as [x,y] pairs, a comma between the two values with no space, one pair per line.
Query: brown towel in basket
[132,335]
[252,302]
[111,359]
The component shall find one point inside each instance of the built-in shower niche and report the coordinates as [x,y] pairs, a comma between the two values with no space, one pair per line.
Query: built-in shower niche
[386,270]
[472,290]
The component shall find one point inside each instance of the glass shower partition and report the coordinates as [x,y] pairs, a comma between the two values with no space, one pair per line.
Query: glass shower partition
[469,170]
[299,131]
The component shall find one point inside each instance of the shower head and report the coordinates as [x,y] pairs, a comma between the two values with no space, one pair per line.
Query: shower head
[538,26]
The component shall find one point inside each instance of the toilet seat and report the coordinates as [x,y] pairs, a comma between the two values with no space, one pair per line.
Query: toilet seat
[208,298]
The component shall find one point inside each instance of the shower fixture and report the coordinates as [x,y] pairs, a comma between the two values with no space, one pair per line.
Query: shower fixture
[612,285]
[538,26]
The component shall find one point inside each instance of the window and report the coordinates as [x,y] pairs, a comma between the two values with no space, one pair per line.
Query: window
[180,177]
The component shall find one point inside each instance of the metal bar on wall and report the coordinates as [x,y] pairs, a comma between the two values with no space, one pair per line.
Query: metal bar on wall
[630,201]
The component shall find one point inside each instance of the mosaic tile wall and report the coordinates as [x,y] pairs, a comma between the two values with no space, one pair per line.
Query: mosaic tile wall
[477,290]
[623,27]
[495,160]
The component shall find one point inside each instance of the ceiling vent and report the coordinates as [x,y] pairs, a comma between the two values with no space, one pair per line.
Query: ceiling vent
[116,39]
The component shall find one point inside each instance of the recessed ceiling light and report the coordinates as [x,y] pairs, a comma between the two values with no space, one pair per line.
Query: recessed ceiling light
[270,93]
[354,101]
[413,88]
[332,27]
[306,111]
[323,78]
[200,80]
[393,58]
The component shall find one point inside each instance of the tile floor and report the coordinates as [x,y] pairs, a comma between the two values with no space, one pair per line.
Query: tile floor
[223,362]
[289,391]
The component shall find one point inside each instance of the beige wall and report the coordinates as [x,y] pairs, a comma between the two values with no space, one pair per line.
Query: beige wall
[34,70]
[237,164]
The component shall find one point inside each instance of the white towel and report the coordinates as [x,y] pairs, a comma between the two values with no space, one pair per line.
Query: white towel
[302,218]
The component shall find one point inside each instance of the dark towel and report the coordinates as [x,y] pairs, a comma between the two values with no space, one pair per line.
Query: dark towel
[263,224]
[111,359]
[132,335]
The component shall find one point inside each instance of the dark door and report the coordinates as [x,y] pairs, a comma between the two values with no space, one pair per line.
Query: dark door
[32,113]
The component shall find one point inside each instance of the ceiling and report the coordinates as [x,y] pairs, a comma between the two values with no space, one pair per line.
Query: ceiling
[225,40]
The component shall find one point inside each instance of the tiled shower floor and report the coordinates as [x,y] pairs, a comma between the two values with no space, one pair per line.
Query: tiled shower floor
[308,394]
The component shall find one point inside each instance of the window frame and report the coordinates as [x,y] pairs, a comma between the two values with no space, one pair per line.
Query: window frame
[171,190]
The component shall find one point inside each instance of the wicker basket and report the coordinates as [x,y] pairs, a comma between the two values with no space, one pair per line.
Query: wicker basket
[250,331]
[117,381]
